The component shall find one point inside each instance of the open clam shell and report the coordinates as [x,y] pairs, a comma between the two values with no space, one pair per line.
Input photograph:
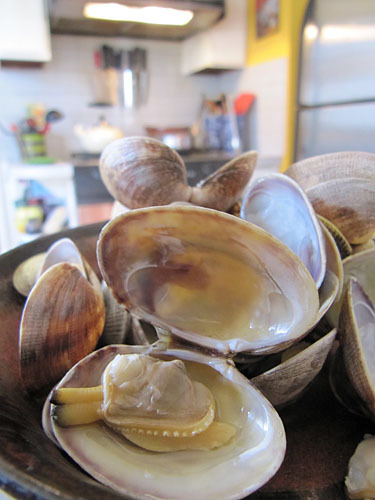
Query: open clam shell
[222,189]
[327,167]
[63,250]
[232,471]
[210,278]
[277,204]
[349,203]
[288,380]
[360,266]
[26,273]
[357,339]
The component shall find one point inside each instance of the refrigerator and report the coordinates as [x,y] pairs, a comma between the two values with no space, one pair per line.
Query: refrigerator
[336,89]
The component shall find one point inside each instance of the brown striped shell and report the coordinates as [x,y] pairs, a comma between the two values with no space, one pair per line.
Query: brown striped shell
[141,172]
[323,168]
[356,332]
[62,320]
[349,203]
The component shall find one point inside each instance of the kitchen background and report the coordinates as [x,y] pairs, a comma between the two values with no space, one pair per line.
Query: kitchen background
[232,58]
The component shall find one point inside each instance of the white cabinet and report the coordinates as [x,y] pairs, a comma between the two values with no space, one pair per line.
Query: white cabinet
[55,188]
[24,31]
[221,47]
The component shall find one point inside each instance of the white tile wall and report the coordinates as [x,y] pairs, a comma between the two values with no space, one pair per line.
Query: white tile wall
[66,84]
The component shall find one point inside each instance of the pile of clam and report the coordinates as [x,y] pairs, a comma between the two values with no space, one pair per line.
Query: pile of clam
[219,303]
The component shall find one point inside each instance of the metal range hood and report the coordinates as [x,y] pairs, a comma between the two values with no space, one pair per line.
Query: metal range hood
[66,18]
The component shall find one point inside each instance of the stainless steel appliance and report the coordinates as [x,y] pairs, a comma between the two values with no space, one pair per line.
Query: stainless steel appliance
[336,101]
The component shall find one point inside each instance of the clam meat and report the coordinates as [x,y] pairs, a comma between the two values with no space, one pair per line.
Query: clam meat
[360,480]
[160,423]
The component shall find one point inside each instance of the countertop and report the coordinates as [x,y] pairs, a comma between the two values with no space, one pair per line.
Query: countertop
[81,159]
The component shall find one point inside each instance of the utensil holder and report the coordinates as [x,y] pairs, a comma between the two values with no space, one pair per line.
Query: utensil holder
[33,146]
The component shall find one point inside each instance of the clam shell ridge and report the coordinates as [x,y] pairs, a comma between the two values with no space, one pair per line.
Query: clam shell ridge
[210,278]
[232,471]
[61,323]
[318,169]
[277,204]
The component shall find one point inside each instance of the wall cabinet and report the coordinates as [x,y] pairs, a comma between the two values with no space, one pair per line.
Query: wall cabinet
[221,47]
[24,31]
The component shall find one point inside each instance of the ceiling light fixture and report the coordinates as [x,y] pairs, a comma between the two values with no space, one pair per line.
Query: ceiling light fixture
[150,15]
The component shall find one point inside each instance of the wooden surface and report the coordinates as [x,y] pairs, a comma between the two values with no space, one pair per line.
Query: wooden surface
[321,434]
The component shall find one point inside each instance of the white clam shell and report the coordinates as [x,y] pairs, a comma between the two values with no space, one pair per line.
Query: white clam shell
[277,204]
[229,472]
[209,277]
[360,266]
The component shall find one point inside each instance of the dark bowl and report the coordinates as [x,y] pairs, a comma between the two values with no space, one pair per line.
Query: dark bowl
[321,435]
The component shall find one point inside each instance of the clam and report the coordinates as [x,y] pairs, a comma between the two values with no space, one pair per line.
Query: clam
[356,332]
[299,365]
[117,320]
[62,250]
[277,204]
[223,188]
[360,480]
[360,266]
[349,203]
[345,248]
[367,245]
[318,169]
[200,427]
[341,188]
[26,273]
[333,282]
[141,172]
[209,277]
[62,319]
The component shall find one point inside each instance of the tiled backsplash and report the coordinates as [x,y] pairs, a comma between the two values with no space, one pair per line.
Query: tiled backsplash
[66,84]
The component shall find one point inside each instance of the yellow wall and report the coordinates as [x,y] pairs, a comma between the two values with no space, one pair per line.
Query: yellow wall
[284,43]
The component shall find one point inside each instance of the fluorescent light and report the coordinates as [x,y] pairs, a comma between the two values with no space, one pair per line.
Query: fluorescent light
[150,15]
[311,32]
[128,88]
[348,33]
